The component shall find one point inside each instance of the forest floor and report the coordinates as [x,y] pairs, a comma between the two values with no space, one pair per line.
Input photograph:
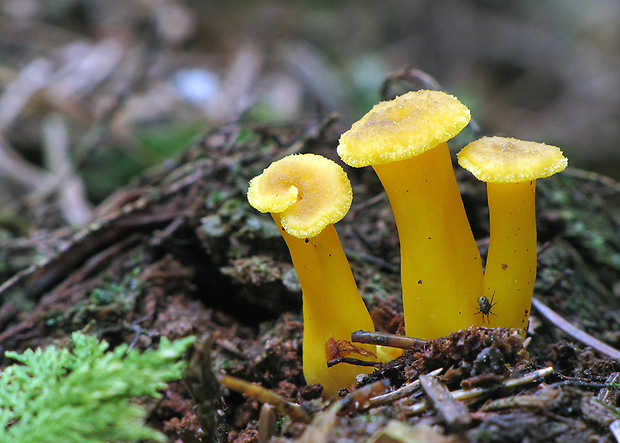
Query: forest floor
[179,251]
[182,97]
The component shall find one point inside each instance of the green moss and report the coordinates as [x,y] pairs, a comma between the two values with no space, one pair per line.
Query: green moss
[167,140]
[84,395]
[109,302]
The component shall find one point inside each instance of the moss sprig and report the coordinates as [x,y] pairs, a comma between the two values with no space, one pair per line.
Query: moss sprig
[84,394]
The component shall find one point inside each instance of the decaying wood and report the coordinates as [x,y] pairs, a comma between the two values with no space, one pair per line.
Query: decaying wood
[404,391]
[147,207]
[447,351]
[478,393]
[452,413]
[284,407]
[386,339]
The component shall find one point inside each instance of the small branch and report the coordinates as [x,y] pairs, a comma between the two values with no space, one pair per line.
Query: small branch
[475,393]
[452,412]
[352,361]
[402,392]
[264,395]
[385,339]
[573,331]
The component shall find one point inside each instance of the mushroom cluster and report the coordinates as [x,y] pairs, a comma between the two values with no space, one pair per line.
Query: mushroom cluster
[444,285]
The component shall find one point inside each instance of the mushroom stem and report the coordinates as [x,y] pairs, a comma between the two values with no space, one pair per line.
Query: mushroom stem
[441,270]
[332,307]
[511,261]
[510,168]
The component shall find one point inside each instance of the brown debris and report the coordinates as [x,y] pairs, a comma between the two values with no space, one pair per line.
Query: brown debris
[464,345]
[452,413]
[341,348]
[386,339]
[258,393]
[541,400]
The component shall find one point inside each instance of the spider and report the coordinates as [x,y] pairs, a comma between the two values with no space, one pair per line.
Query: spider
[485,306]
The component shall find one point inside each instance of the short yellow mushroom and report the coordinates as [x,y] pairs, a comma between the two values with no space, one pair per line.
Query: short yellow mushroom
[306,194]
[404,140]
[510,168]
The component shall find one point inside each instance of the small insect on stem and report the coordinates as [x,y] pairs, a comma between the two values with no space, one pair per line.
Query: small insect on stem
[485,306]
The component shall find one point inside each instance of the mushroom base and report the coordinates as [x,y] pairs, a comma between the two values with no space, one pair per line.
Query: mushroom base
[332,307]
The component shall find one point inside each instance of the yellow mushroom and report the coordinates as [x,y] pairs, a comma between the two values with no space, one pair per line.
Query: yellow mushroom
[510,168]
[404,140]
[306,194]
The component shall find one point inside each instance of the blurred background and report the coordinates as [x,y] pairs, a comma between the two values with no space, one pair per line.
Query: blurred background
[93,92]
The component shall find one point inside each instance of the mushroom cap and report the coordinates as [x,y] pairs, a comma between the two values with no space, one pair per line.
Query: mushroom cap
[509,160]
[403,128]
[308,191]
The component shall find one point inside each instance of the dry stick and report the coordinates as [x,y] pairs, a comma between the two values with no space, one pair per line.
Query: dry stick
[452,412]
[16,95]
[466,394]
[264,395]
[15,167]
[356,400]
[386,339]
[72,192]
[267,423]
[352,361]
[573,331]
[593,176]
[402,392]
[99,131]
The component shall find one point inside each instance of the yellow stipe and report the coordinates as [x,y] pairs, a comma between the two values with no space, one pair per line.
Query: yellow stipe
[332,306]
[511,262]
[441,266]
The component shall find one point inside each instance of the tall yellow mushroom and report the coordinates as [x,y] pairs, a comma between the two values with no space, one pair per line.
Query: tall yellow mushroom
[404,140]
[510,168]
[306,194]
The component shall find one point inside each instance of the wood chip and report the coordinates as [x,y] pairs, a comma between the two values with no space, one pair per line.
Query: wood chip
[452,412]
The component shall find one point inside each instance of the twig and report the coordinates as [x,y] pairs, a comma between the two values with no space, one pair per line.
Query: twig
[352,361]
[573,331]
[451,411]
[474,393]
[17,94]
[71,192]
[263,395]
[15,167]
[404,391]
[386,339]
[356,400]
[593,176]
